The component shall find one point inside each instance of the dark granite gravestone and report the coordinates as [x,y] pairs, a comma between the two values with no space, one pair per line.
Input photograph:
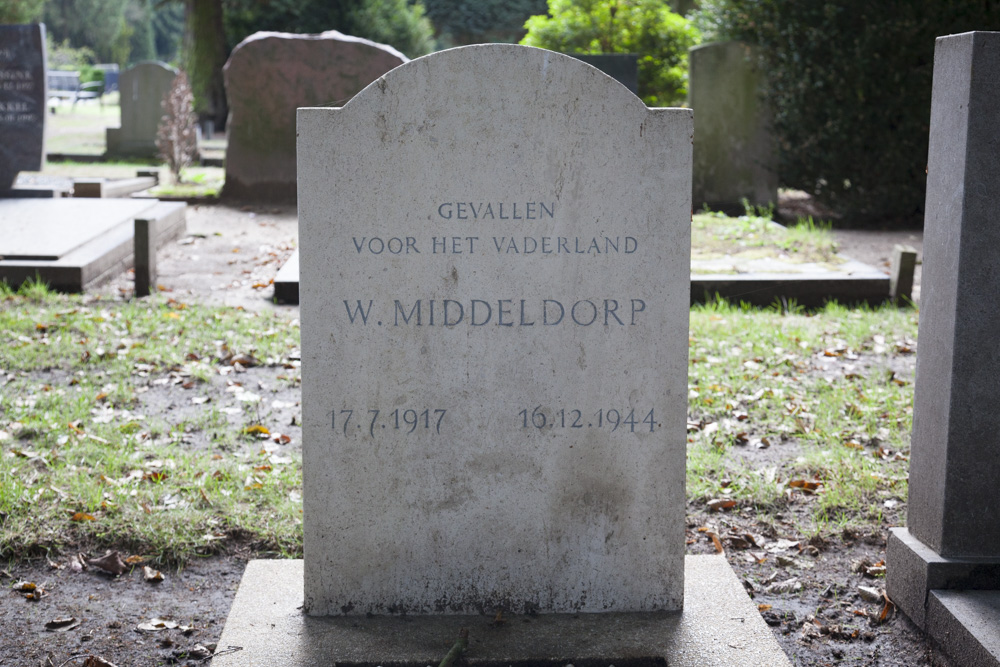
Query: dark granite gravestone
[22,100]
[943,569]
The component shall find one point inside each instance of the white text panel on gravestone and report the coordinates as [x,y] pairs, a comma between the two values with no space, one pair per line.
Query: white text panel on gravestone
[495,283]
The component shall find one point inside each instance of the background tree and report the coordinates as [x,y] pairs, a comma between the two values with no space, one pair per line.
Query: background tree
[20,11]
[460,22]
[205,53]
[168,28]
[850,84]
[645,27]
[96,24]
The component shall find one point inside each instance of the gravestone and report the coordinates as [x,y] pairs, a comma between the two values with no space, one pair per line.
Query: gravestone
[141,92]
[952,538]
[268,76]
[494,256]
[734,155]
[22,101]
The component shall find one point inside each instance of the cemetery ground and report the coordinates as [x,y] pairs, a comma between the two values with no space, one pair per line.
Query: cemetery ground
[165,432]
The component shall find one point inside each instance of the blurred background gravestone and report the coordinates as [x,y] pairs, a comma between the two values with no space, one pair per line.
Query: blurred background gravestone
[22,101]
[142,89]
[734,157]
[268,76]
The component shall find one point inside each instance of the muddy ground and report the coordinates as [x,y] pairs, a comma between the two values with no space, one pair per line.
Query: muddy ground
[229,258]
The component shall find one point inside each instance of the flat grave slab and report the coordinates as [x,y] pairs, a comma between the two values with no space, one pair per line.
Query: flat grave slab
[73,244]
[47,230]
[720,625]
[758,281]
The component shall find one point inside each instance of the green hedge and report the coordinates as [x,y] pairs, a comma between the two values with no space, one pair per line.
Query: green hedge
[850,84]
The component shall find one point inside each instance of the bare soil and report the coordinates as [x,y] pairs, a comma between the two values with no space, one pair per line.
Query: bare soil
[229,258]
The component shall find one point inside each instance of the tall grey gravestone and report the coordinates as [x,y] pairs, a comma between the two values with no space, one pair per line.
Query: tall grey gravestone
[22,100]
[734,157]
[495,258]
[952,538]
[141,92]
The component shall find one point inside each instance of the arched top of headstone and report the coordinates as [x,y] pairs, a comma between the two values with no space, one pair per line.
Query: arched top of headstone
[152,65]
[482,72]
[327,36]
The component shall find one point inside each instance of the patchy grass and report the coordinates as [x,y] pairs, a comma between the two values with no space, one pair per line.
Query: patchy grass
[82,461]
[755,236]
[810,410]
[814,406]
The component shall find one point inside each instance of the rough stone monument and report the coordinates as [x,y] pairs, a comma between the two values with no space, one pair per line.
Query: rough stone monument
[495,257]
[268,76]
[943,569]
[22,101]
[734,155]
[142,89]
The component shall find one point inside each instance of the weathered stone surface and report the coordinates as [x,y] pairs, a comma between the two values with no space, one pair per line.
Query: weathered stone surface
[952,538]
[495,249]
[268,76]
[954,498]
[142,89]
[720,626]
[22,100]
[733,149]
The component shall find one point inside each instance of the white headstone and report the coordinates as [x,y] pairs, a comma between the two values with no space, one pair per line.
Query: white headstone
[495,288]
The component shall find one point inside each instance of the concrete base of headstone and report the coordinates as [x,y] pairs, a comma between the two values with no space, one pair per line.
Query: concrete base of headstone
[719,625]
[916,569]
[286,283]
[967,625]
[76,244]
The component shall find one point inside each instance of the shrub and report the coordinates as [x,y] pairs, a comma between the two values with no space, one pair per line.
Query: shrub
[645,27]
[177,135]
[850,85]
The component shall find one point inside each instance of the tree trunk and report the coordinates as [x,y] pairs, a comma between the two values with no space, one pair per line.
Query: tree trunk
[205,55]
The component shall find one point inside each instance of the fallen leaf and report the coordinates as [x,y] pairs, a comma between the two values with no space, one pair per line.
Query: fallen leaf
[719,504]
[788,586]
[806,485]
[95,661]
[82,516]
[716,541]
[256,429]
[151,575]
[111,563]
[156,624]
[25,586]
[869,594]
[62,624]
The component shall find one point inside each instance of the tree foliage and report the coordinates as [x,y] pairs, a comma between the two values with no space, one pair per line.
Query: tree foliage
[850,84]
[645,27]
[20,11]
[459,22]
[117,31]
[395,22]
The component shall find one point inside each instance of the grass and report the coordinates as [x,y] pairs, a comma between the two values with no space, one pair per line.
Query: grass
[784,408]
[754,235]
[818,383]
[80,463]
